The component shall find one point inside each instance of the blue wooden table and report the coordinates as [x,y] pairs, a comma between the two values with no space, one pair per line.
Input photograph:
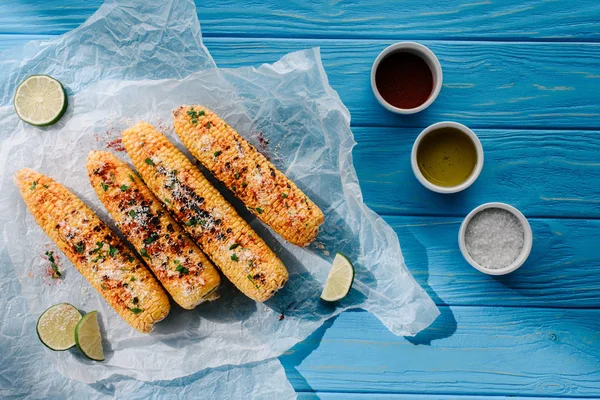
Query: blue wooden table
[525,76]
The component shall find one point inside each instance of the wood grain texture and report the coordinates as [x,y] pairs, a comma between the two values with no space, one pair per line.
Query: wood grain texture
[544,173]
[489,84]
[486,84]
[469,350]
[393,396]
[492,80]
[562,270]
[405,19]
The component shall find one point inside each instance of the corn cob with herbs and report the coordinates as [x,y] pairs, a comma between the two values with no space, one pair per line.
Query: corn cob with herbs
[97,252]
[220,232]
[267,192]
[180,266]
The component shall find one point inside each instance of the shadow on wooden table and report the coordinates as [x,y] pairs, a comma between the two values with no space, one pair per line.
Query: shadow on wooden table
[292,358]
[445,325]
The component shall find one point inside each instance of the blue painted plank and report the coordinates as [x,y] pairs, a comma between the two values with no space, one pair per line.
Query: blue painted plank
[562,270]
[486,84]
[390,396]
[512,85]
[554,179]
[455,19]
[468,350]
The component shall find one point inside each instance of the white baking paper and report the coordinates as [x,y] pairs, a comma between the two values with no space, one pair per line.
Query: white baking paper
[137,61]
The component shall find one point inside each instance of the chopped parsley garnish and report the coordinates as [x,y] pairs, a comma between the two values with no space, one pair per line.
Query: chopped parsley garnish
[191,222]
[234,246]
[103,286]
[144,253]
[149,161]
[284,195]
[132,178]
[175,172]
[217,153]
[99,246]
[56,272]
[104,186]
[208,125]
[78,248]
[125,269]
[46,186]
[33,185]
[259,210]
[136,310]
[135,300]
[125,285]
[236,175]
[131,258]
[112,251]
[124,188]
[180,268]
[251,280]
[244,184]
[195,115]
[234,257]
[153,237]
[233,188]
[132,213]
[132,279]
[167,200]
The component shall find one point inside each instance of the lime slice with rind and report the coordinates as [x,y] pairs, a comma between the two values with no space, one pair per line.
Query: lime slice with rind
[56,326]
[40,100]
[339,281]
[88,337]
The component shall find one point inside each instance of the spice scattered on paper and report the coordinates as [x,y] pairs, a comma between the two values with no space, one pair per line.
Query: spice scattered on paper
[494,238]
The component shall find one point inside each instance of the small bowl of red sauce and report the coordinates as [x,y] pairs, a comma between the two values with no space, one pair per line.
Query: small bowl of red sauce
[406,77]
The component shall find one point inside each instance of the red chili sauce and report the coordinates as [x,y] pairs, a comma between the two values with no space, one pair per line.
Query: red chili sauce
[404,80]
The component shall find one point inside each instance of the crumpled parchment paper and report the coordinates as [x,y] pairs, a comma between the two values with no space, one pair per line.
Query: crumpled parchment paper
[138,61]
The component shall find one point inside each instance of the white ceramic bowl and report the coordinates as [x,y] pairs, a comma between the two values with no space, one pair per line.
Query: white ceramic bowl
[527,240]
[447,189]
[427,56]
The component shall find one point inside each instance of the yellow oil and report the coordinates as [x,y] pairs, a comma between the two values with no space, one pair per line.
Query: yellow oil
[446,157]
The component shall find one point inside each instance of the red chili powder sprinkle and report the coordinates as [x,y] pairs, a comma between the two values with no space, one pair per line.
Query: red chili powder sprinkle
[116,145]
[404,80]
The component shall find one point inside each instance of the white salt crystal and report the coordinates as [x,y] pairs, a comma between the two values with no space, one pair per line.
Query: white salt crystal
[494,238]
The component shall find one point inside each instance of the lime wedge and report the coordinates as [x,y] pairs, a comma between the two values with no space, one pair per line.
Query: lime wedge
[56,326]
[40,100]
[88,337]
[339,280]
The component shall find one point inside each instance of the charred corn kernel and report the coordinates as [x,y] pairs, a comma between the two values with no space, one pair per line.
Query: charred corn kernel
[267,192]
[220,232]
[176,261]
[98,253]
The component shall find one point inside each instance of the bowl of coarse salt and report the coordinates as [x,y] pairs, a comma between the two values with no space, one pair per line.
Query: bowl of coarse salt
[495,238]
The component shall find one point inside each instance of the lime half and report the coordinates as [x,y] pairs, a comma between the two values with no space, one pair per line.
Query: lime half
[339,280]
[56,326]
[89,338]
[40,100]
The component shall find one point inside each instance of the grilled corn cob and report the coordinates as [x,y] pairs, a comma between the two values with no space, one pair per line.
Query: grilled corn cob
[267,192]
[98,254]
[176,261]
[215,225]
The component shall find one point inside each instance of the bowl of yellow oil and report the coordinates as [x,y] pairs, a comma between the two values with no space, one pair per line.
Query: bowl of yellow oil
[447,157]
